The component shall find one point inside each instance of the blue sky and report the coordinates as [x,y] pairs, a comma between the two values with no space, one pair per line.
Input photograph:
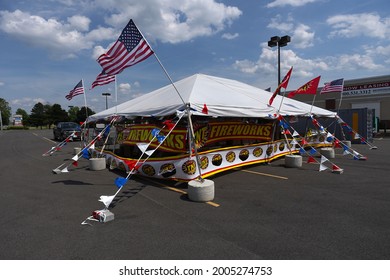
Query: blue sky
[47,46]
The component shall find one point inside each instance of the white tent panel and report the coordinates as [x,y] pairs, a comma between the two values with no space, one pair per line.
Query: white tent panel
[223,98]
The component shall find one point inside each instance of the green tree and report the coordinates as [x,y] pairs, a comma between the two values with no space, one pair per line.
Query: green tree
[72,112]
[38,115]
[25,116]
[5,111]
[57,114]
[82,116]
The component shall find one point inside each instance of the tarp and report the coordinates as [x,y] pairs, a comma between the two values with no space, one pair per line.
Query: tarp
[222,97]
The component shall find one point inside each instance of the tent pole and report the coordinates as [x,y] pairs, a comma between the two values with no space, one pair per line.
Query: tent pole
[192,136]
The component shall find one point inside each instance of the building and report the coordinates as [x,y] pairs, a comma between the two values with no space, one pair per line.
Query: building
[371,93]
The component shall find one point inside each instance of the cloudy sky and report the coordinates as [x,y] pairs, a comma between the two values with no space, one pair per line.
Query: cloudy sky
[48,46]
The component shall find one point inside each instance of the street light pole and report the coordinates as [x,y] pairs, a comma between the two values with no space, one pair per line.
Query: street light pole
[106,94]
[279,42]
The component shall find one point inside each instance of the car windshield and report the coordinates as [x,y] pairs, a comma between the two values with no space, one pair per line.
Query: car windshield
[70,125]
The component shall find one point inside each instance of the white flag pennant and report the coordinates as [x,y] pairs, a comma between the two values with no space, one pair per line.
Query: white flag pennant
[295,133]
[106,199]
[143,146]
[323,167]
[65,170]
[75,158]
[323,159]
[346,152]
[150,152]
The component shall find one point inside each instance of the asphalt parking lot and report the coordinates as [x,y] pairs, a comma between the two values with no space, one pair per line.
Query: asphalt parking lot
[259,212]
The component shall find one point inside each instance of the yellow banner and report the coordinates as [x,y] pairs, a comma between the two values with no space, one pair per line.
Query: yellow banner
[205,134]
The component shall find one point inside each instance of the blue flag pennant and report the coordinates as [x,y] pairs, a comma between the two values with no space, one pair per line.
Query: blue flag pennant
[85,153]
[120,182]
[302,151]
[107,131]
[312,151]
[155,132]
[160,138]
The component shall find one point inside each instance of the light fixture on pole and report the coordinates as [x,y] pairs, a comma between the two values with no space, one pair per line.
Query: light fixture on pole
[106,94]
[279,42]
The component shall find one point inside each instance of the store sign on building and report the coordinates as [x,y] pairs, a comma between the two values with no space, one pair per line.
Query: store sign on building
[367,89]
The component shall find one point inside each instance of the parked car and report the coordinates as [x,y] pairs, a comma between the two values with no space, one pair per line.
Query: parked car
[63,129]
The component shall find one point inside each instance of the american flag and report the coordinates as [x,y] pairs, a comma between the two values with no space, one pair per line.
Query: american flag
[103,79]
[78,89]
[333,86]
[128,50]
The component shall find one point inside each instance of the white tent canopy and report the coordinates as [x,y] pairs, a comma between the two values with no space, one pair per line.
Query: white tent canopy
[223,98]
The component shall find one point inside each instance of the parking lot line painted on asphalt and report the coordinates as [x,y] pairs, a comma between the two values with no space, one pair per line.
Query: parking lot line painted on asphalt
[264,174]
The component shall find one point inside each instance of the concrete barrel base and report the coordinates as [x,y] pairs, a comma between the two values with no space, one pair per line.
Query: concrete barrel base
[347,143]
[76,150]
[201,191]
[327,152]
[97,164]
[293,161]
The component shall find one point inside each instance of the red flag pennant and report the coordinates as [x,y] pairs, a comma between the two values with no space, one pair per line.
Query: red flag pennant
[311,160]
[169,124]
[337,143]
[132,164]
[283,84]
[75,163]
[205,110]
[308,88]
[303,141]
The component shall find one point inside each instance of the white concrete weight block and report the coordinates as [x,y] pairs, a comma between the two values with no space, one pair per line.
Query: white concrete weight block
[327,152]
[293,161]
[201,191]
[97,164]
[76,150]
[347,143]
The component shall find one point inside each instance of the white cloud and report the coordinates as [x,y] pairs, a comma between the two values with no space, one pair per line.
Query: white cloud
[301,34]
[79,22]
[59,38]
[229,36]
[294,3]
[2,84]
[175,21]
[266,64]
[26,102]
[354,25]
[124,88]
[168,21]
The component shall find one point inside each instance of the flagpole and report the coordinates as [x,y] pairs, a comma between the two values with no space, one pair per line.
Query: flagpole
[163,68]
[85,100]
[192,133]
[285,136]
[116,97]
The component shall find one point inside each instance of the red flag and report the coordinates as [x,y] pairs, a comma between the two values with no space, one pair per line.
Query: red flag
[205,110]
[128,50]
[75,163]
[335,167]
[169,124]
[311,160]
[308,88]
[283,84]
